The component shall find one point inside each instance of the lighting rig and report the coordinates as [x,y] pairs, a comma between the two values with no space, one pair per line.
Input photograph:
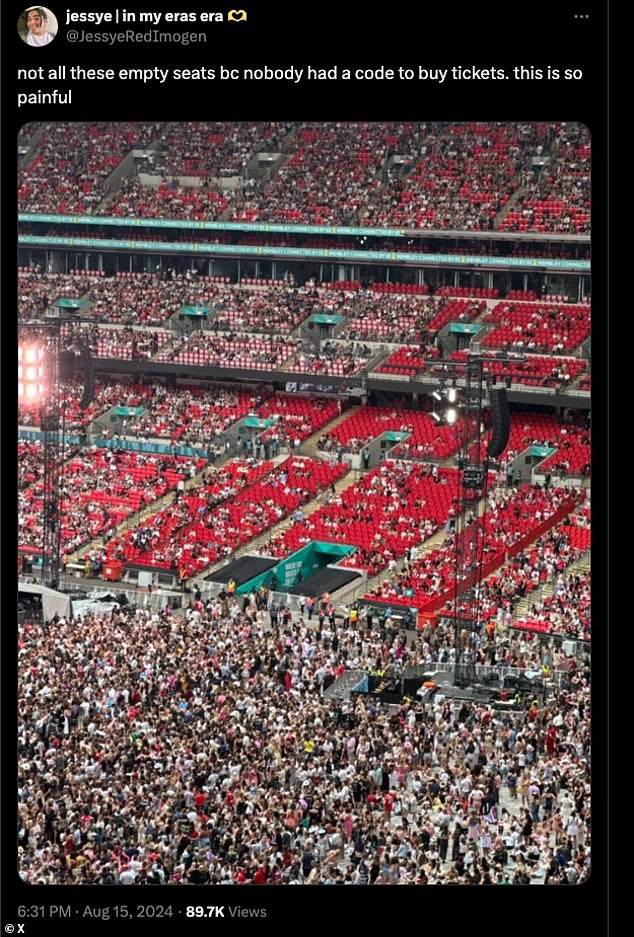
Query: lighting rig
[42,364]
[462,393]
[39,388]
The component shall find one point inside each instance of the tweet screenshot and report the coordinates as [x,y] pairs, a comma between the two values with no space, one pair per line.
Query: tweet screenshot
[306,302]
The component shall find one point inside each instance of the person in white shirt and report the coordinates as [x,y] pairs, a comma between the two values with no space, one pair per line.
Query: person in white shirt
[37,25]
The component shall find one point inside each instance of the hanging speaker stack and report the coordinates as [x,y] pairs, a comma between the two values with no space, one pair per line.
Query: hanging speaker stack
[66,365]
[88,374]
[500,421]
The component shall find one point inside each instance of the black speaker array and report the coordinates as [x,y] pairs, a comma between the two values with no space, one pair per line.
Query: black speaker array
[85,359]
[66,365]
[501,422]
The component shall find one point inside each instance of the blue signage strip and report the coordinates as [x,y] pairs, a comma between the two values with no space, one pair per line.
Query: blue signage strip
[242,250]
[36,434]
[129,411]
[216,225]
[156,447]
[128,444]
[264,227]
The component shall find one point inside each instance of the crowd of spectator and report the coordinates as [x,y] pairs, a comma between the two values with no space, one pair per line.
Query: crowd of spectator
[395,505]
[520,368]
[170,199]
[146,298]
[468,176]
[155,748]
[331,175]
[461,178]
[514,553]
[390,318]
[99,488]
[334,357]
[204,748]
[423,437]
[152,298]
[274,309]
[39,291]
[224,510]
[72,163]
[186,415]
[566,613]
[537,328]
[108,341]
[295,418]
[522,582]
[231,350]
[142,302]
[75,419]
[218,149]
[557,200]
[168,538]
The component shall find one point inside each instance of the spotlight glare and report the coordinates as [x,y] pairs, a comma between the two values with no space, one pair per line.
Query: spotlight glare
[436,395]
[452,394]
[31,373]
[451,416]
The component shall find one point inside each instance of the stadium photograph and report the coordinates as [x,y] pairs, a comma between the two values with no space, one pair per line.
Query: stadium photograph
[304,503]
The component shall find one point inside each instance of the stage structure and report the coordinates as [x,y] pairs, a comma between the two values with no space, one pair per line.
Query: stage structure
[39,387]
[461,400]
[42,366]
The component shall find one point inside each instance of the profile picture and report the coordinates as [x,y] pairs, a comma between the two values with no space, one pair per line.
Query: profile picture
[37,26]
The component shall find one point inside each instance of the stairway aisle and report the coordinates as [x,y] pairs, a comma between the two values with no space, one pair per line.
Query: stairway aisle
[254,545]
[546,590]
[139,516]
[309,446]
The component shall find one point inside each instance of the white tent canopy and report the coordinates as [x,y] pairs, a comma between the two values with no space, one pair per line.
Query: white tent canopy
[52,602]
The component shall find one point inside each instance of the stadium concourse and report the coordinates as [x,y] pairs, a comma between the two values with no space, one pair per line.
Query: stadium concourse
[304,452]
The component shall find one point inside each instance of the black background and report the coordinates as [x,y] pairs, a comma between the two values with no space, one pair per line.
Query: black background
[355,35]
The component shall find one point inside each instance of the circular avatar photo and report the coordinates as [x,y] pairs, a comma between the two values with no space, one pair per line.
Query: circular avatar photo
[37,26]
